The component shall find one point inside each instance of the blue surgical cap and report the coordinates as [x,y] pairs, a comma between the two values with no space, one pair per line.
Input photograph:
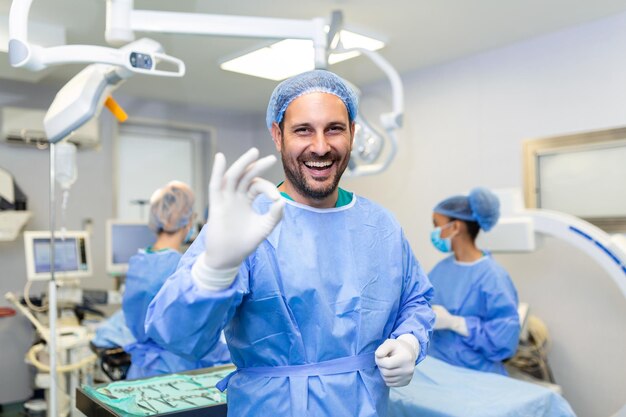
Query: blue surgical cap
[316,81]
[481,206]
[171,207]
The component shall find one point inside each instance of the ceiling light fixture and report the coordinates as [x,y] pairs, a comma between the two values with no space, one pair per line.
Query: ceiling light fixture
[289,57]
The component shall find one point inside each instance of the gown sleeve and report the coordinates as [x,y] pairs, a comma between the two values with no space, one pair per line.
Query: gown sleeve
[415,315]
[186,319]
[496,334]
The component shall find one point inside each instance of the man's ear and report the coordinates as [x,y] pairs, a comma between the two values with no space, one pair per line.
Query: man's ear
[277,136]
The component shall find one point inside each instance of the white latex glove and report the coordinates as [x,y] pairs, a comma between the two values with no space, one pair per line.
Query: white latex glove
[235,229]
[446,321]
[395,359]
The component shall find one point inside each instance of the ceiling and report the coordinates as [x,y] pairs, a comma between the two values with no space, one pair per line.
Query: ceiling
[419,33]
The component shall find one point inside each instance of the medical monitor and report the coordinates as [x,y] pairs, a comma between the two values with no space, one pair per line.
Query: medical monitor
[72,255]
[124,239]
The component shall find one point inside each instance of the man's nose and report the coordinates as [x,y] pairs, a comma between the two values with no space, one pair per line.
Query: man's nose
[320,144]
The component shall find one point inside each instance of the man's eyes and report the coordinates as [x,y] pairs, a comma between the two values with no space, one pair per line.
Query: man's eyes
[307,130]
[336,129]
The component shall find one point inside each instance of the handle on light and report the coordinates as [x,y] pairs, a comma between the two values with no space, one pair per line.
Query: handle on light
[180,65]
[116,109]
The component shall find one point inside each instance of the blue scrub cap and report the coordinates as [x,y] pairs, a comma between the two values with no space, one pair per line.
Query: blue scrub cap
[481,206]
[316,81]
[171,207]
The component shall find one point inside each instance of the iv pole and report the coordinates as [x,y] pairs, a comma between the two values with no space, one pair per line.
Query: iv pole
[52,293]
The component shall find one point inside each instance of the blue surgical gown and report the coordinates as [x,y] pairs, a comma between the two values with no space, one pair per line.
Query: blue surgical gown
[113,332]
[147,271]
[325,284]
[483,294]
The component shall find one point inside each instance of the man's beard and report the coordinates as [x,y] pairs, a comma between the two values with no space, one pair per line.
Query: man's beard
[297,178]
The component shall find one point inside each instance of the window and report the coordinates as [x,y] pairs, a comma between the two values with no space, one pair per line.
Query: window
[581,174]
[148,155]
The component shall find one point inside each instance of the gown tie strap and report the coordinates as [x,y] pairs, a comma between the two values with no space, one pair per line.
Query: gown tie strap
[298,375]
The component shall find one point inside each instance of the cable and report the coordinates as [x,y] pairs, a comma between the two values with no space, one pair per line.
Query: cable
[532,356]
[35,349]
[29,303]
[43,332]
[539,331]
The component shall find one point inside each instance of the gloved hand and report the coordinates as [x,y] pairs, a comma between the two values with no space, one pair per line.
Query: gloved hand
[395,359]
[235,229]
[444,320]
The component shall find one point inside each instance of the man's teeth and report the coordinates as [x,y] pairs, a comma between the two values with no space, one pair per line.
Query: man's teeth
[318,164]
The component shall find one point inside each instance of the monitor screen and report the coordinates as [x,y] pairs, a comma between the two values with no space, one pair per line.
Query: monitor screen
[124,239]
[71,255]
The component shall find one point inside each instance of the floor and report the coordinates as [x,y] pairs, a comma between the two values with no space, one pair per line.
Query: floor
[12,410]
[17,409]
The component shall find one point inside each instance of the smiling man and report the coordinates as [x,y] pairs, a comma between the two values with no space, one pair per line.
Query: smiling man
[315,140]
[323,303]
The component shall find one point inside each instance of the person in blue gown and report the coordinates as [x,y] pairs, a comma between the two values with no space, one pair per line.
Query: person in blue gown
[171,218]
[322,300]
[477,324]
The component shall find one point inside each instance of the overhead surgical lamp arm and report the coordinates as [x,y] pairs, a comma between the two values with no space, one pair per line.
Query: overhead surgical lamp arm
[393,119]
[390,121]
[37,58]
[122,21]
[82,98]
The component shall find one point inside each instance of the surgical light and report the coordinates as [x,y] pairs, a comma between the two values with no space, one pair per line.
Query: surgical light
[368,143]
[289,57]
